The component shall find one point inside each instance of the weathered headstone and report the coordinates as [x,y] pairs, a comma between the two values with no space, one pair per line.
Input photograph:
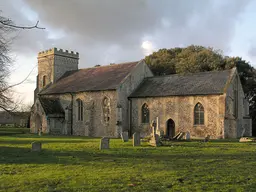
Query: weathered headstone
[180,137]
[104,143]
[155,140]
[136,139]
[176,136]
[157,126]
[36,146]
[153,126]
[207,138]
[40,131]
[124,136]
[187,136]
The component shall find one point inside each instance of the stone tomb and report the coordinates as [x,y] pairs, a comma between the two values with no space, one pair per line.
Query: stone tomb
[136,139]
[36,146]
[104,143]
[247,139]
[124,136]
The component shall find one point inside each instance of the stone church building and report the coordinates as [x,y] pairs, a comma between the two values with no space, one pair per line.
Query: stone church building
[107,100]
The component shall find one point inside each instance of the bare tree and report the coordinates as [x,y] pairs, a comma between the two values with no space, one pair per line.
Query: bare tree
[7,29]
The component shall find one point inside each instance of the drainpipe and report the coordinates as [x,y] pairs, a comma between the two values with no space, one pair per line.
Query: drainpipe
[72,98]
[130,117]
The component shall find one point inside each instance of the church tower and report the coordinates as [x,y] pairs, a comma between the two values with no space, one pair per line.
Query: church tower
[53,63]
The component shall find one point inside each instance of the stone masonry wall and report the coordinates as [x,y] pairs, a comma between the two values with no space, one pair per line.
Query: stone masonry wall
[93,123]
[38,114]
[63,64]
[181,111]
[53,63]
[234,123]
[140,72]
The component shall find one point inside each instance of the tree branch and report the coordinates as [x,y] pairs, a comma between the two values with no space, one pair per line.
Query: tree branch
[9,23]
[16,84]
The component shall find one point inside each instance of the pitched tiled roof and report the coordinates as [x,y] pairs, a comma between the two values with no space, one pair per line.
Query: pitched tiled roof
[91,79]
[51,105]
[203,83]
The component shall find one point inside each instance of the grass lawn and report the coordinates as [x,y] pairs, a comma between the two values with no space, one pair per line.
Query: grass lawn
[76,164]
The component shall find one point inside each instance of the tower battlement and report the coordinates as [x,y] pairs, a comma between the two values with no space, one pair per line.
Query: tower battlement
[61,52]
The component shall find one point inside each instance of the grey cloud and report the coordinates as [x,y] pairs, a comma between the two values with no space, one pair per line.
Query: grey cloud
[106,31]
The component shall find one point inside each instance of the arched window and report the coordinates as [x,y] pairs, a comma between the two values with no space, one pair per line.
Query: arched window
[44,80]
[199,114]
[144,113]
[106,109]
[79,110]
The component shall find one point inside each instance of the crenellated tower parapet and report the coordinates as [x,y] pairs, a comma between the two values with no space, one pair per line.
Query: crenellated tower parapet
[53,63]
[60,52]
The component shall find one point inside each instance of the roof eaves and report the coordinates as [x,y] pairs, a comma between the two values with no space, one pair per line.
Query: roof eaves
[177,95]
[68,92]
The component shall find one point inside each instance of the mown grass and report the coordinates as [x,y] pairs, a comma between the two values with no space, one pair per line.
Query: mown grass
[76,164]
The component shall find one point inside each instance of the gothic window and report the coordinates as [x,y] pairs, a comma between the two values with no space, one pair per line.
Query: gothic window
[79,110]
[106,109]
[44,80]
[199,114]
[144,113]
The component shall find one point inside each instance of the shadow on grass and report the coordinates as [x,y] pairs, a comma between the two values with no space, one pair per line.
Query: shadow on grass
[28,138]
[24,142]
[17,155]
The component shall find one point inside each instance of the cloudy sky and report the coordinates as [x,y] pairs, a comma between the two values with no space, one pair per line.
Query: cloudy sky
[112,31]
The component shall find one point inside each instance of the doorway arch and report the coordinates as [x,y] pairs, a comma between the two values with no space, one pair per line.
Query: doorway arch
[170,128]
[38,123]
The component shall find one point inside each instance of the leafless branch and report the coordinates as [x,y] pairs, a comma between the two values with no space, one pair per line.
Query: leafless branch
[19,83]
[8,23]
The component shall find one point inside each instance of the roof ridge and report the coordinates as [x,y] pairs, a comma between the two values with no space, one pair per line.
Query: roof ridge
[190,74]
[110,65]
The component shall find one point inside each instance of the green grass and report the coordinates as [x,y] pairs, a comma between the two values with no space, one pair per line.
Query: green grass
[68,164]
[13,131]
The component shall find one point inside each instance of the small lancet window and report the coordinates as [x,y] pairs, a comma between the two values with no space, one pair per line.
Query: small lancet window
[44,80]
[145,113]
[79,110]
[199,114]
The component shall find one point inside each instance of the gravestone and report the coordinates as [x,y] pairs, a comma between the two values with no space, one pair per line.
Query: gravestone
[187,136]
[136,139]
[104,143]
[155,141]
[40,131]
[36,146]
[207,138]
[124,136]
[180,137]
[153,126]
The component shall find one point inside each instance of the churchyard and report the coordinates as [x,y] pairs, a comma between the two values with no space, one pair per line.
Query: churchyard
[77,164]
